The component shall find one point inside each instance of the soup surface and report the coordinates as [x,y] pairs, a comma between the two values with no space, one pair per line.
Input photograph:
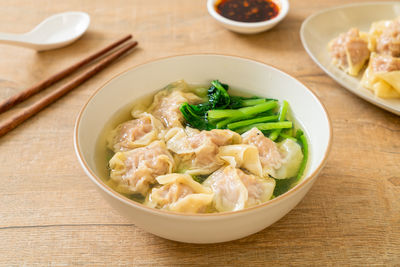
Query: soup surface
[200,150]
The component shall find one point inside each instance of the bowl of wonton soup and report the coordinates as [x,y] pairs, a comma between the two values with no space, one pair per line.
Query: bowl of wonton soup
[244,75]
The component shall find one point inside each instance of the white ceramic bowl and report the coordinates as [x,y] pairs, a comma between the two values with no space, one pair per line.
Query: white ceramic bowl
[249,27]
[243,74]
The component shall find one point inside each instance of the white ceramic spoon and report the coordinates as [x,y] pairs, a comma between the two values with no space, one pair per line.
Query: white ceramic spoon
[56,31]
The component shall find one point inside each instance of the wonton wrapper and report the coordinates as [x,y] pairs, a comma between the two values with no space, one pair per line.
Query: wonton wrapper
[268,151]
[235,190]
[198,150]
[291,159]
[349,51]
[135,133]
[133,171]
[242,156]
[384,37]
[177,139]
[375,31]
[280,160]
[179,192]
[384,84]
[166,103]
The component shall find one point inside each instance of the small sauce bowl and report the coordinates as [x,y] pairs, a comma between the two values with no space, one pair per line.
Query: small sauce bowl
[249,27]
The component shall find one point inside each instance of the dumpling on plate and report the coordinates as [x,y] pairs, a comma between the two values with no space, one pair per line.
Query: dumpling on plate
[235,190]
[197,151]
[349,51]
[383,76]
[384,37]
[135,133]
[280,160]
[135,170]
[179,192]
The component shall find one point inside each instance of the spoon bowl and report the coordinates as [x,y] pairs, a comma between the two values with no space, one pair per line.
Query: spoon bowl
[54,32]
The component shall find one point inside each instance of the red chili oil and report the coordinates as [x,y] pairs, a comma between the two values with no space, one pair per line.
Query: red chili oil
[247,10]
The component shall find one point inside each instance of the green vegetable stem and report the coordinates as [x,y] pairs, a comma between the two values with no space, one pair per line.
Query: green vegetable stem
[239,124]
[282,116]
[266,126]
[232,113]
[302,140]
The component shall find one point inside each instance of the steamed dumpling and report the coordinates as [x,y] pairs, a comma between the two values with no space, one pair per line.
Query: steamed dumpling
[384,37]
[281,160]
[135,170]
[268,151]
[291,159]
[242,156]
[179,192]
[166,103]
[235,190]
[383,76]
[350,51]
[135,133]
[198,150]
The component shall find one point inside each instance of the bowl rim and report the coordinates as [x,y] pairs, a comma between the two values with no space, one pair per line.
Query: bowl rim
[249,25]
[100,183]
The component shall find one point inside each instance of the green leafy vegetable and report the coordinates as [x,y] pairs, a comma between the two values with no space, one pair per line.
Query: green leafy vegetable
[266,126]
[282,116]
[283,185]
[200,178]
[304,147]
[286,136]
[193,117]
[218,95]
[240,101]
[235,125]
[246,111]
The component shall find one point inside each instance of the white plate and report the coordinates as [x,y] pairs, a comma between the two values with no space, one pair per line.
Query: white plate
[318,29]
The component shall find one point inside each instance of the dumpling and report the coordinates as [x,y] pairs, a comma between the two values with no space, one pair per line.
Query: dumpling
[179,192]
[167,102]
[268,151]
[135,133]
[178,139]
[235,190]
[135,170]
[384,37]
[291,159]
[350,51]
[242,156]
[280,160]
[383,76]
[198,150]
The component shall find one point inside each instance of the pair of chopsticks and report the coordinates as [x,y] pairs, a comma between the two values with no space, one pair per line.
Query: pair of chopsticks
[18,118]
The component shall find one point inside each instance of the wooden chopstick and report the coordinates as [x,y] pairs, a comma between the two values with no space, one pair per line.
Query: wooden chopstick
[25,94]
[18,118]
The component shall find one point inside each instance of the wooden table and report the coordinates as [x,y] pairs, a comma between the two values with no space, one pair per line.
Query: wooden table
[51,213]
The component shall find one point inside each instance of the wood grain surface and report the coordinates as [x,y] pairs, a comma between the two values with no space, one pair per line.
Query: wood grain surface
[51,213]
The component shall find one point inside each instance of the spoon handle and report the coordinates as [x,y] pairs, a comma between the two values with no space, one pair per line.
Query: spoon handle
[14,39]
